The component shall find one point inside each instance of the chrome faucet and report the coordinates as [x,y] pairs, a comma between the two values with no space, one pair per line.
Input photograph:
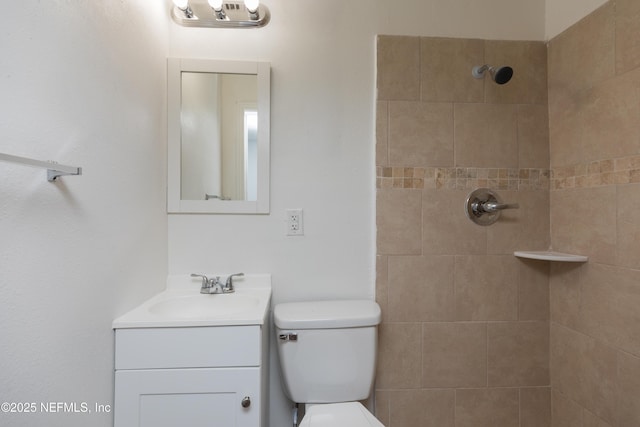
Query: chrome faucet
[214,285]
[210,285]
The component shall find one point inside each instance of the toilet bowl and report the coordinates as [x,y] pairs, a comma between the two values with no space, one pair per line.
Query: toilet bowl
[351,414]
[327,353]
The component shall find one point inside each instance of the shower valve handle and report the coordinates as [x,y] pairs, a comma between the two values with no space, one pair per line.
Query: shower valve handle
[493,206]
[483,206]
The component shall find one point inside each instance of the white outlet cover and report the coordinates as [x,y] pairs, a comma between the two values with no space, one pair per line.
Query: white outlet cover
[295,223]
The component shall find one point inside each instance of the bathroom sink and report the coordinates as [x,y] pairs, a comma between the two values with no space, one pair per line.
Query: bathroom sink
[204,305]
[182,305]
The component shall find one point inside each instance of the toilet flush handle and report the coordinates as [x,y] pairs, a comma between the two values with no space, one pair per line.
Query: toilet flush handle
[291,336]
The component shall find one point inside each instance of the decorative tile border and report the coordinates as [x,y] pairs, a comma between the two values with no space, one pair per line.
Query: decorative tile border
[462,178]
[623,170]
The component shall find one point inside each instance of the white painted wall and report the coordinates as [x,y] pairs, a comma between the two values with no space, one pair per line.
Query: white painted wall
[561,14]
[82,83]
[486,19]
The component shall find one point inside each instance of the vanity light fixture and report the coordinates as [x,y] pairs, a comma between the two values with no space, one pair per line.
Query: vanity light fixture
[220,13]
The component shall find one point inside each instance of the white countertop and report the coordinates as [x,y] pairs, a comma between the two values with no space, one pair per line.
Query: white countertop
[182,305]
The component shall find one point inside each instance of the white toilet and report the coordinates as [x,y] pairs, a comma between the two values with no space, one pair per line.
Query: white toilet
[327,355]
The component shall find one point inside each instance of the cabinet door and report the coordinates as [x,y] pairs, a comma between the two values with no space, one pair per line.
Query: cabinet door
[208,397]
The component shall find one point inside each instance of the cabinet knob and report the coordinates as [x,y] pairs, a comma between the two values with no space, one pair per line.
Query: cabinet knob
[246,402]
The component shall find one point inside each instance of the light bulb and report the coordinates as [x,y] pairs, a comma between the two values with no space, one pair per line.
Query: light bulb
[181,4]
[252,5]
[216,5]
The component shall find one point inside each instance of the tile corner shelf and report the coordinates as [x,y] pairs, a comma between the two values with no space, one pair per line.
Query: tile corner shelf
[551,256]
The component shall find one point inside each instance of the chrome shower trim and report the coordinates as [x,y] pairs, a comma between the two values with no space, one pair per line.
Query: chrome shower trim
[483,206]
[478,71]
[500,75]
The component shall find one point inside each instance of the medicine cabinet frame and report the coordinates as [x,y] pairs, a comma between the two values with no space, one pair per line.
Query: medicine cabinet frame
[175,68]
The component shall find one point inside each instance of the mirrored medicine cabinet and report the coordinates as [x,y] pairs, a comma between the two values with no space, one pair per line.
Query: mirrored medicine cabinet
[218,136]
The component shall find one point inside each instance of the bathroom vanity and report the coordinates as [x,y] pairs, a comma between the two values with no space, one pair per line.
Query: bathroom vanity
[185,358]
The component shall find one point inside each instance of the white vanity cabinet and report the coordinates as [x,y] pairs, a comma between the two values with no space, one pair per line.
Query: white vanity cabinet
[191,376]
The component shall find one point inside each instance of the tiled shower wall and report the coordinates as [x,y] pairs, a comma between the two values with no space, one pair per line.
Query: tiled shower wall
[594,104]
[464,339]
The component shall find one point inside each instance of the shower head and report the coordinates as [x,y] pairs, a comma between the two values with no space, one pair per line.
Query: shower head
[500,75]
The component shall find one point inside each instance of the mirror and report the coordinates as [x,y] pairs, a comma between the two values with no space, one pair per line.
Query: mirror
[218,130]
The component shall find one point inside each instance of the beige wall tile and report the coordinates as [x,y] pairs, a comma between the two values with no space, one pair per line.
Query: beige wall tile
[399,355]
[610,302]
[564,412]
[533,290]
[578,227]
[382,406]
[504,236]
[535,407]
[565,289]
[529,62]
[565,130]
[570,69]
[533,136]
[486,287]
[454,355]
[421,288]
[535,221]
[628,221]
[382,285]
[526,228]
[446,229]
[628,390]
[382,131]
[610,125]
[580,116]
[486,135]
[518,354]
[584,370]
[420,134]
[424,408]
[627,35]
[487,407]
[398,66]
[590,420]
[399,222]
[446,66]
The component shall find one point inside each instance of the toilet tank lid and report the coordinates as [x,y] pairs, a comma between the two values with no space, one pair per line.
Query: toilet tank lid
[326,314]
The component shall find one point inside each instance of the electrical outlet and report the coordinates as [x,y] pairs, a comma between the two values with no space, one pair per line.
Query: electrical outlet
[295,224]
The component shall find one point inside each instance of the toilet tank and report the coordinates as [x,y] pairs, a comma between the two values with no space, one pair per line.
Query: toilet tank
[327,349]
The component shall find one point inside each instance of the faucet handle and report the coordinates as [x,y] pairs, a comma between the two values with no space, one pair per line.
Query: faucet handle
[228,286]
[205,279]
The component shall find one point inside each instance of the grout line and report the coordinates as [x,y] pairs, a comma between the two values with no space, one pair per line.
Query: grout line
[486,331]
[520,407]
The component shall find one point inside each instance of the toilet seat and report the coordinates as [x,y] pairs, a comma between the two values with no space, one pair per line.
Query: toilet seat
[350,414]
